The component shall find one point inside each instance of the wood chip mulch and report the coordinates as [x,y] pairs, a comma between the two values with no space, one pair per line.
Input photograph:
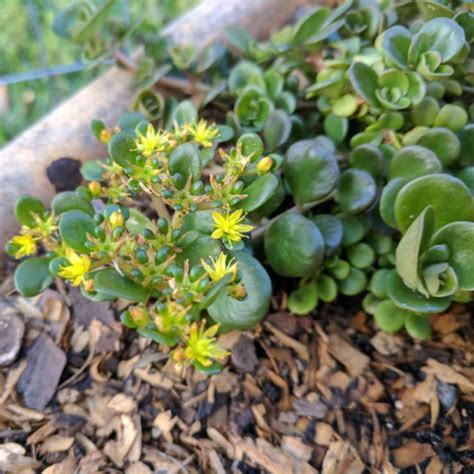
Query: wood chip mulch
[299,395]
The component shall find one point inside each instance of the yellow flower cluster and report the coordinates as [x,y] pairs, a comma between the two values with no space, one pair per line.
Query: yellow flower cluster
[219,268]
[79,266]
[229,226]
[25,245]
[153,141]
[203,133]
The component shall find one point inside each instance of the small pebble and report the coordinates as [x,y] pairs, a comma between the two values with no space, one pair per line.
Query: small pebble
[11,335]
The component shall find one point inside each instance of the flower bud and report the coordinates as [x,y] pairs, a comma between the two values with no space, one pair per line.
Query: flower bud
[116,220]
[105,136]
[264,165]
[140,316]
[95,188]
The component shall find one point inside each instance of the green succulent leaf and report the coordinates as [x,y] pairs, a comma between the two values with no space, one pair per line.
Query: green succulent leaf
[466,175]
[418,326]
[93,170]
[110,282]
[354,283]
[186,161]
[185,113]
[243,74]
[368,158]
[387,201]
[360,255]
[137,222]
[459,238]
[311,170]
[251,145]
[389,317]
[443,142]
[158,336]
[259,192]
[413,161]
[326,288]
[26,207]
[242,314]
[304,299]
[253,108]
[449,197]
[466,138]
[396,43]
[294,246]
[452,117]
[336,127]
[122,149]
[331,230]
[309,25]
[195,247]
[68,201]
[74,228]
[32,276]
[364,80]
[277,129]
[356,191]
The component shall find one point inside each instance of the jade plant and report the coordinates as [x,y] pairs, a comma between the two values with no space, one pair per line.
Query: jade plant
[337,155]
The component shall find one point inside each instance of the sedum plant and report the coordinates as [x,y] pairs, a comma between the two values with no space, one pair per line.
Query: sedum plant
[343,162]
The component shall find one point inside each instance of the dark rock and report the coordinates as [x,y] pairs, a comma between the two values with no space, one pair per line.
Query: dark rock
[86,310]
[45,364]
[64,174]
[285,322]
[447,394]
[11,334]
[243,354]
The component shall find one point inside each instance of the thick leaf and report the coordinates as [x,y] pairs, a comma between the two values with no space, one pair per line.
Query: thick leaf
[387,200]
[309,25]
[129,121]
[396,42]
[411,246]
[326,288]
[251,145]
[311,171]
[33,276]
[405,298]
[389,317]
[443,142]
[466,137]
[424,113]
[243,314]
[354,283]
[69,201]
[185,113]
[449,197]
[186,161]
[74,227]
[304,299]
[122,149]
[378,283]
[25,207]
[451,116]
[364,81]
[459,237]
[200,221]
[466,175]
[336,127]
[202,246]
[360,255]
[109,281]
[294,246]
[137,222]
[277,129]
[243,74]
[368,158]
[356,191]
[259,192]
[331,229]
[93,170]
[354,229]
[158,336]
[413,161]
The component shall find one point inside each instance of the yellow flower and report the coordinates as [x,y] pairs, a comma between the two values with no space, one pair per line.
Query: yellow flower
[202,133]
[25,244]
[171,318]
[152,142]
[228,226]
[201,346]
[78,266]
[220,268]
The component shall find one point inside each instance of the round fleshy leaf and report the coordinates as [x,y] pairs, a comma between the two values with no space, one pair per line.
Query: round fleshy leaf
[304,299]
[413,161]
[277,129]
[364,81]
[405,298]
[396,42]
[273,203]
[294,246]
[418,326]
[110,282]
[451,116]
[356,191]
[245,313]
[122,149]
[185,113]
[424,113]
[74,227]
[311,171]
[443,142]
[466,175]
[466,137]
[69,201]
[360,255]
[251,145]
[353,229]
[309,25]
[137,222]
[368,158]
[387,200]
[326,288]
[200,221]
[354,283]
[331,229]
[449,197]
[345,106]
[93,170]
[197,247]
[459,238]
[186,161]
[32,276]
[340,270]
[389,317]
[378,283]
[336,127]
[258,192]
[26,207]
[243,74]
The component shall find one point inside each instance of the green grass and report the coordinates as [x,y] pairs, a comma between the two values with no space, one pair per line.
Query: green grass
[21,52]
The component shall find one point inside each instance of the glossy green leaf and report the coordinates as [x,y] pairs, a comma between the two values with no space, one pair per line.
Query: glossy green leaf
[311,171]
[93,170]
[197,248]
[466,138]
[387,200]
[68,201]
[242,314]
[354,283]
[185,113]
[186,161]
[336,127]
[378,283]
[251,145]
[129,121]
[32,276]
[137,222]
[243,74]
[122,149]
[364,81]
[425,112]
[258,192]
[200,221]
[26,207]
[277,129]
[309,25]
[304,299]
[443,142]
[451,116]
[294,246]
[360,255]
[418,326]
[449,197]
[331,230]
[368,158]
[158,336]
[413,161]
[356,191]
[110,282]
[459,238]
[396,42]
[74,228]
[326,288]
[466,175]
[389,317]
